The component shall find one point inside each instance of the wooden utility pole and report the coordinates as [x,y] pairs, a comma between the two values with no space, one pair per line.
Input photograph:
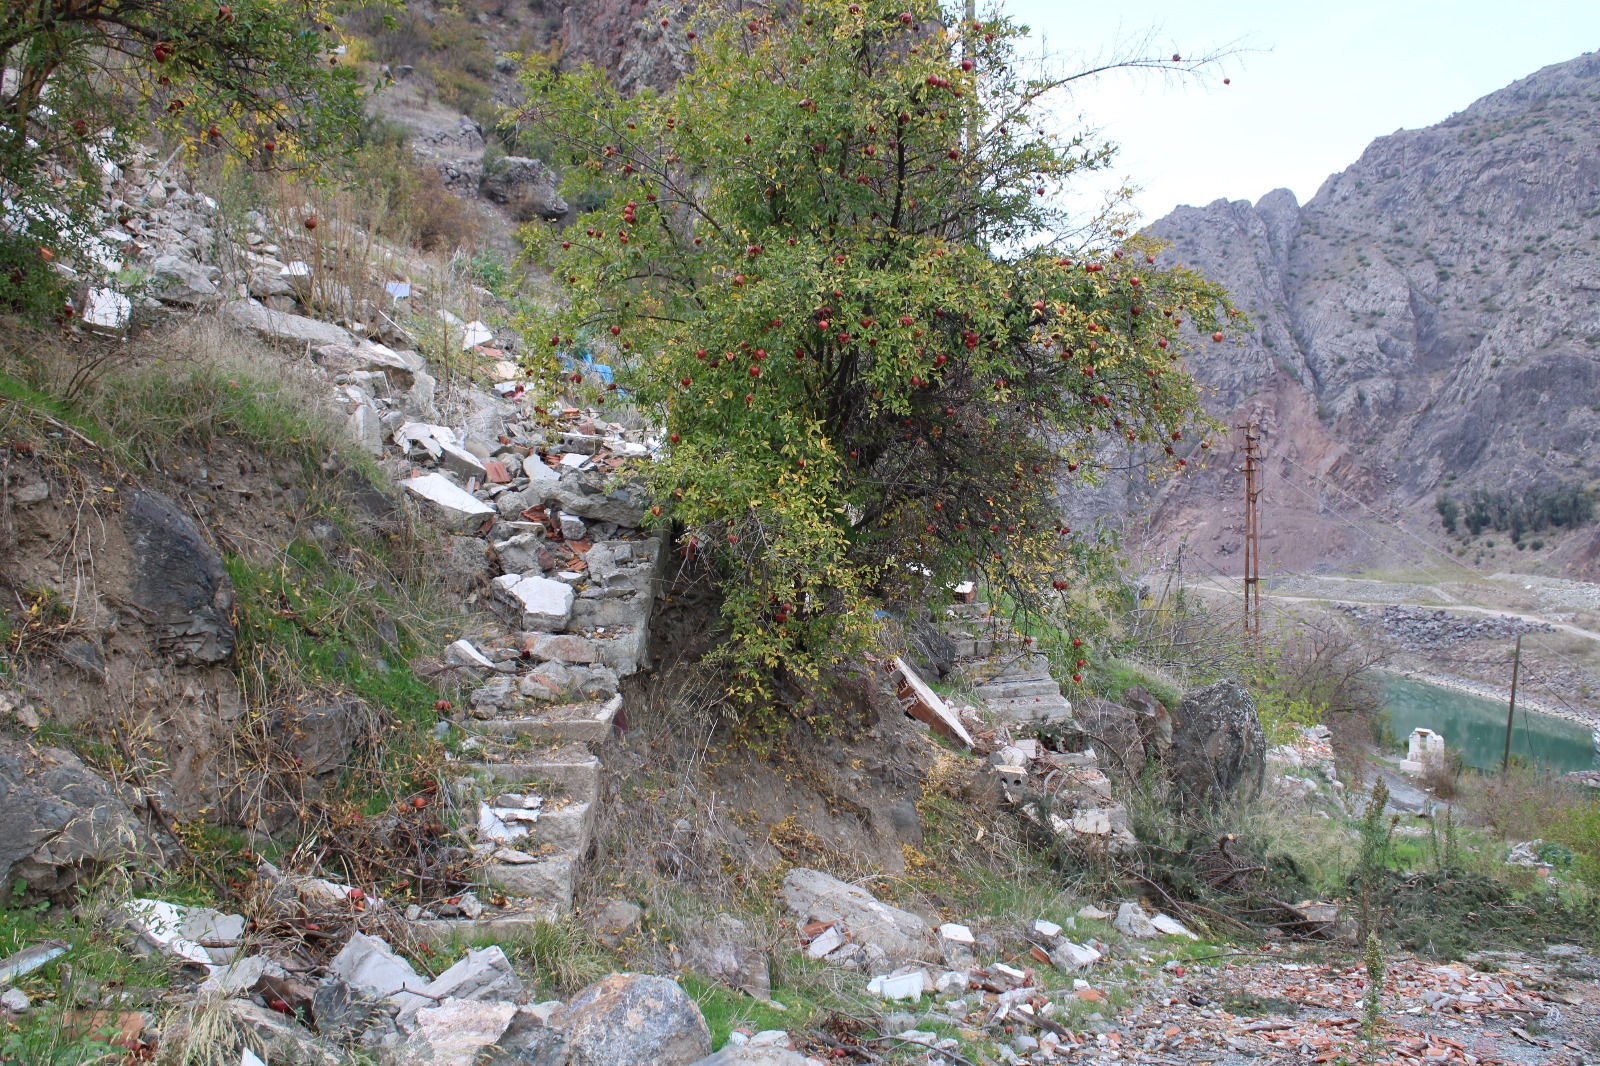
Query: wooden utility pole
[1252,532]
[1516,662]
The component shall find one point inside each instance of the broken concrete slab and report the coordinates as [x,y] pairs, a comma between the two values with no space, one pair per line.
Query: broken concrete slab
[241,976]
[460,508]
[30,959]
[107,311]
[539,472]
[544,604]
[461,461]
[928,707]
[370,964]
[1168,926]
[813,896]
[479,975]
[899,986]
[463,653]
[425,435]
[160,925]
[1074,957]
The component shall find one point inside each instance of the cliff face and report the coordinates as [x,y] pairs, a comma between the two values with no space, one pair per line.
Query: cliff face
[1433,311]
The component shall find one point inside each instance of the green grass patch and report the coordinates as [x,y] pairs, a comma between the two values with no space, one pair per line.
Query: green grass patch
[198,403]
[93,964]
[310,623]
[39,409]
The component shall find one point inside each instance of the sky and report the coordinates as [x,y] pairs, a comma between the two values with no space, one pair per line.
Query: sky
[1312,83]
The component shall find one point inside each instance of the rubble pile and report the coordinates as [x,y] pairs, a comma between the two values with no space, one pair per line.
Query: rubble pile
[1430,628]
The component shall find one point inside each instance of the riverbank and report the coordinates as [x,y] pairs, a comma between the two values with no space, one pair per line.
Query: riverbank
[1582,716]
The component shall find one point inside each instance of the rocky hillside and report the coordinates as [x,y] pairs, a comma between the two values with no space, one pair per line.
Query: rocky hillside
[1430,318]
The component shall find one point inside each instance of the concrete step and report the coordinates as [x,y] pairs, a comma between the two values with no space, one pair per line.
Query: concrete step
[1013,688]
[569,780]
[1031,708]
[570,772]
[584,723]
[517,916]
[973,647]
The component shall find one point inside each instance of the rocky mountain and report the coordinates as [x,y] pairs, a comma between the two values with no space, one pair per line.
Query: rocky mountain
[1430,318]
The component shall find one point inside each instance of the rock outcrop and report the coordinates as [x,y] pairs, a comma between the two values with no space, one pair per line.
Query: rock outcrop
[1432,312]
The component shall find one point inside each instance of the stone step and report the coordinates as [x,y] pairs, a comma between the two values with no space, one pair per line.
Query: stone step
[569,779]
[1012,688]
[973,647]
[1032,708]
[584,723]
[572,769]
[968,610]
[517,916]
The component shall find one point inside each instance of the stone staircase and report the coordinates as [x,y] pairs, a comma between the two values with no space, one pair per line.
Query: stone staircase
[1014,683]
[561,582]
[540,733]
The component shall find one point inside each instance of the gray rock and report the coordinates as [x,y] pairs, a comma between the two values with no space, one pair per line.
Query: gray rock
[268,281]
[419,402]
[525,186]
[180,586]
[1219,749]
[811,896]
[724,949]
[456,1032]
[1131,921]
[16,1001]
[584,495]
[513,503]
[572,527]
[617,921]
[62,823]
[276,325]
[464,565]
[344,1013]
[179,281]
[633,1019]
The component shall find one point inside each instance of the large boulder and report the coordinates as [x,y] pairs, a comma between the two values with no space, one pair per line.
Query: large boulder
[1219,750]
[1134,731]
[294,330]
[62,822]
[525,186]
[813,896]
[633,1019]
[179,584]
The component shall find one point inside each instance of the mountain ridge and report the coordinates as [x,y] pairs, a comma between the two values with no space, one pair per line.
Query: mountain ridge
[1435,306]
